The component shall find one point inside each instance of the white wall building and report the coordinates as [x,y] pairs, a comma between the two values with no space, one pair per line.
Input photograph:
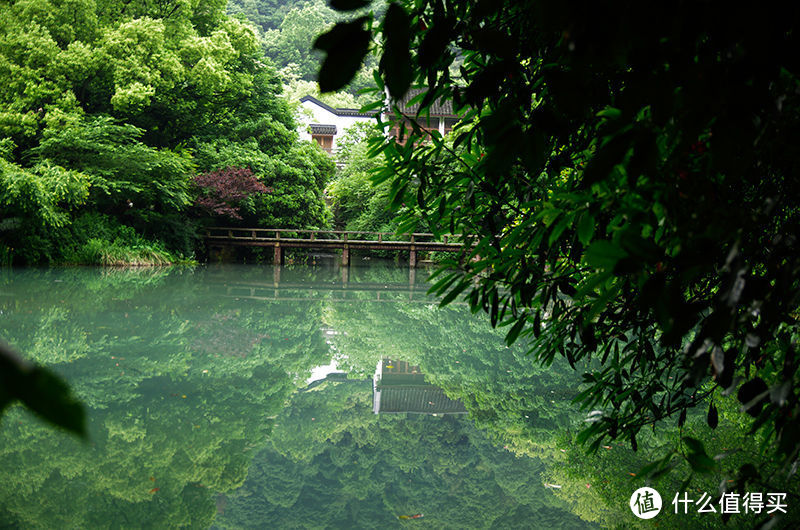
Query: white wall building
[323,124]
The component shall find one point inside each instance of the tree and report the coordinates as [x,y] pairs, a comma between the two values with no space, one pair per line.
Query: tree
[289,44]
[627,178]
[265,14]
[225,190]
[355,203]
[295,88]
[107,110]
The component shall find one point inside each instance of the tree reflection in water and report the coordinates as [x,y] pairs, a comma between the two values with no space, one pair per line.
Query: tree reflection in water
[200,411]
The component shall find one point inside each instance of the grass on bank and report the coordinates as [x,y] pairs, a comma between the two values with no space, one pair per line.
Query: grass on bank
[101,240]
[98,251]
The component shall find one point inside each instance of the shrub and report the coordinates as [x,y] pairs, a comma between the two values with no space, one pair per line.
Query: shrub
[101,240]
[224,190]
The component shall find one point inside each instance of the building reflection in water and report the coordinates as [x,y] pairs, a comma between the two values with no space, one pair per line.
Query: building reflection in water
[398,387]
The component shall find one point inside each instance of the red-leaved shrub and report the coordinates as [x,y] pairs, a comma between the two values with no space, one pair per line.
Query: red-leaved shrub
[224,190]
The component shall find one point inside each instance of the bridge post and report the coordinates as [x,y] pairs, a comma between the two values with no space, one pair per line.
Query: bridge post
[277,258]
[346,256]
[412,256]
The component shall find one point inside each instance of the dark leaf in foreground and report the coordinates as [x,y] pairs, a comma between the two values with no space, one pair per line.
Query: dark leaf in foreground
[712,418]
[41,391]
[345,44]
[349,5]
[396,60]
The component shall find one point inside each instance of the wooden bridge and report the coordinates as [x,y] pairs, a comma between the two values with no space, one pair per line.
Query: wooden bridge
[281,238]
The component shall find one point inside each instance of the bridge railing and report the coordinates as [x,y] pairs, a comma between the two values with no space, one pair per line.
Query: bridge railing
[278,234]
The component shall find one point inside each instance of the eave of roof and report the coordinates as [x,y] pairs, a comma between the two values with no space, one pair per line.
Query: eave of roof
[338,112]
[320,128]
[439,108]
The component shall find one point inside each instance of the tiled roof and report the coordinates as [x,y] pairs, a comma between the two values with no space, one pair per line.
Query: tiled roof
[317,128]
[338,112]
[437,108]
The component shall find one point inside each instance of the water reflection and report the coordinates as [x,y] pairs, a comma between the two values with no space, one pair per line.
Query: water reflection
[205,407]
[399,387]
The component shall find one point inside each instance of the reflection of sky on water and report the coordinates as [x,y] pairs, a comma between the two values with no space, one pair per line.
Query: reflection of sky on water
[319,373]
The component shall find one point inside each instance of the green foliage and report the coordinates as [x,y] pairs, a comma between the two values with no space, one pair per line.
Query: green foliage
[101,240]
[624,179]
[7,149]
[36,203]
[355,202]
[296,180]
[332,463]
[289,43]
[287,30]
[295,88]
[352,143]
[107,105]
[265,14]
[253,439]
[182,396]
[124,170]
[297,184]
[44,193]
[614,472]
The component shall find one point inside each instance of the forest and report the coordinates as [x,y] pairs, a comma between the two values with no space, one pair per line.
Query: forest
[623,176]
[127,126]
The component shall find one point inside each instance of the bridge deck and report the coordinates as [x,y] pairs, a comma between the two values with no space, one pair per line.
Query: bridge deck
[345,240]
[329,239]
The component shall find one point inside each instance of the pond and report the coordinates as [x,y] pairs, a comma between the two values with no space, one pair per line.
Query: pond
[245,397]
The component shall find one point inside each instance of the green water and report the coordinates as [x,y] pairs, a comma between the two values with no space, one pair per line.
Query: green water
[203,413]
